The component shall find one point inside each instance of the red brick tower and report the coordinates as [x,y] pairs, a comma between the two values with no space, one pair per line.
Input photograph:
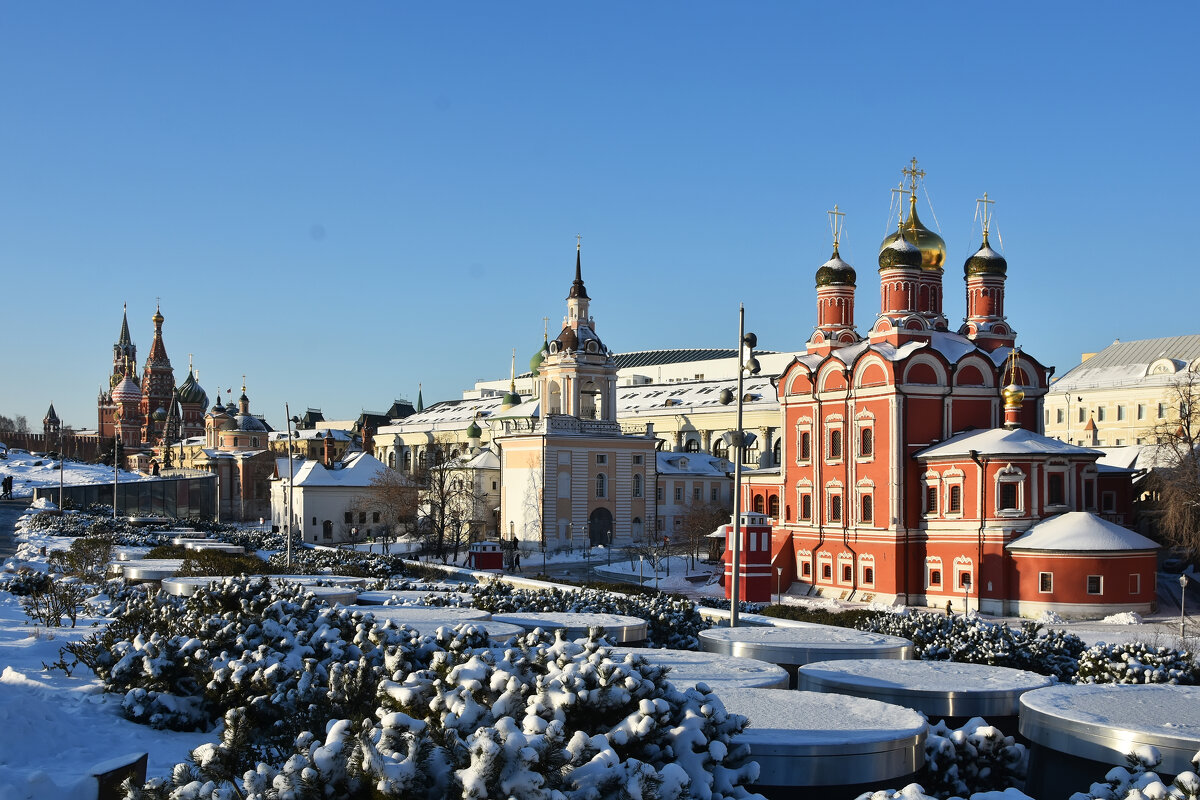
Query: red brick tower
[158,386]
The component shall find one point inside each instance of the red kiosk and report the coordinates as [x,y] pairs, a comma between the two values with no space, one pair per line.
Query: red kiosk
[486,555]
[755,566]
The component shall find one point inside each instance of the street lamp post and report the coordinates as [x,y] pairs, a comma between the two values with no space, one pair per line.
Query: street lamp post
[1183,582]
[966,584]
[746,344]
[779,585]
[291,507]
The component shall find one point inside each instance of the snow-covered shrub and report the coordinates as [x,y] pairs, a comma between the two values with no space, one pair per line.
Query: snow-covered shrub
[744,607]
[274,651]
[974,758]
[970,639]
[24,583]
[672,622]
[538,721]
[914,791]
[56,599]
[1133,662]
[339,562]
[1137,780]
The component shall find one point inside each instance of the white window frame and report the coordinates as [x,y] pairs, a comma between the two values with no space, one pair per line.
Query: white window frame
[1046,575]
[1087,585]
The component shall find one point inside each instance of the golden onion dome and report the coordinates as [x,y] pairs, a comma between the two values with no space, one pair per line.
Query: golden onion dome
[1013,395]
[932,246]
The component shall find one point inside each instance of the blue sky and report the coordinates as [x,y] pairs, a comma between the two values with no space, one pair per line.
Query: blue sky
[341,201]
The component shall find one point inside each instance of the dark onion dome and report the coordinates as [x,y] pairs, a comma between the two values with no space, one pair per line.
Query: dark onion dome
[191,392]
[160,414]
[511,398]
[535,363]
[474,431]
[568,339]
[986,261]
[900,253]
[835,272]
[231,409]
[932,246]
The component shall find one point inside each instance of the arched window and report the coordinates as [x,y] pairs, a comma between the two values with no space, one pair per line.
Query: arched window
[777,452]
[866,442]
[637,485]
[758,503]
[637,528]
[867,508]
[835,444]
[327,529]
[720,449]
[601,485]
[691,446]
[773,506]
[392,460]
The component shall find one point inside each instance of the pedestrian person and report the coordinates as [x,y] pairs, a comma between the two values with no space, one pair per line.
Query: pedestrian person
[517,561]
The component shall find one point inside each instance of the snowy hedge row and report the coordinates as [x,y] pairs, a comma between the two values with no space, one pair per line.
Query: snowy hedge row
[340,562]
[971,639]
[321,702]
[671,621]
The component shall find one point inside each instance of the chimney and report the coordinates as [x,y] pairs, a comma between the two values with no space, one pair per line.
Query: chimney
[328,456]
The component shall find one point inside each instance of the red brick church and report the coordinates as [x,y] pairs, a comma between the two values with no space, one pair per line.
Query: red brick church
[913,469]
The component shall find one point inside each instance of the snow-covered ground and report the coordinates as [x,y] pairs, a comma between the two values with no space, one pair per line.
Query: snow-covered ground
[55,727]
[29,472]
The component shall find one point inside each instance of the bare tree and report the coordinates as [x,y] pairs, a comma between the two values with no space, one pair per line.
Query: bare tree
[397,497]
[700,520]
[534,503]
[1177,474]
[16,424]
[449,503]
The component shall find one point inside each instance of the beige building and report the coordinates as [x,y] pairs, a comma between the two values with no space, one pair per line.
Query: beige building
[569,474]
[1116,397]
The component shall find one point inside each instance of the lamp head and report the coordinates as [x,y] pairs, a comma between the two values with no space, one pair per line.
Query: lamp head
[750,340]
[725,397]
[752,366]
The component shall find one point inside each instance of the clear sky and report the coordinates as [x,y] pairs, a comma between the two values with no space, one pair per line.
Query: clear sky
[342,200]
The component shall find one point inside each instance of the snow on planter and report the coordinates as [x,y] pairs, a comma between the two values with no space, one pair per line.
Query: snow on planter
[808,739]
[1078,730]
[689,668]
[795,645]
[186,587]
[617,627]
[937,688]
[423,617]
[380,597]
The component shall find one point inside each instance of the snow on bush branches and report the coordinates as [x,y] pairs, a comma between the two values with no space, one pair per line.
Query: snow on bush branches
[312,701]
[672,622]
[938,637]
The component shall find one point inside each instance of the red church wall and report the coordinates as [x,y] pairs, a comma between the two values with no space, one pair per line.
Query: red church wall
[1069,573]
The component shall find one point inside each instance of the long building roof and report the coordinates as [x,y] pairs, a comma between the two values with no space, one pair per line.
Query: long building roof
[1123,363]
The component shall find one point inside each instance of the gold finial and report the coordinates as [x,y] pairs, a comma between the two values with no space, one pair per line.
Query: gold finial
[546,328]
[189,362]
[835,224]
[243,384]
[1012,365]
[981,209]
[578,242]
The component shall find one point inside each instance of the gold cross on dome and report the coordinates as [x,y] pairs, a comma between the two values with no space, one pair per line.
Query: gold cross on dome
[545,327]
[913,174]
[835,224]
[578,241]
[1012,365]
[981,206]
[900,190]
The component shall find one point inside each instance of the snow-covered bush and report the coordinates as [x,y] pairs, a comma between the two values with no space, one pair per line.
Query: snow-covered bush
[274,651]
[1137,781]
[457,719]
[970,639]
[1133,662]
[340,562]
[914,791]
[974,758]
[672,622]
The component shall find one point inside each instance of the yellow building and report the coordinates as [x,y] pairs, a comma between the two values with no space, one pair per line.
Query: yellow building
[1117,396]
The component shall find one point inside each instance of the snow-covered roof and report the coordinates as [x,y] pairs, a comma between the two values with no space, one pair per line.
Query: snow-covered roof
[447,415]
[308,434]
[357,470]
[523,410]
[1003,442]
[692,464]
[693,396]
[1080,531]
[1156,361]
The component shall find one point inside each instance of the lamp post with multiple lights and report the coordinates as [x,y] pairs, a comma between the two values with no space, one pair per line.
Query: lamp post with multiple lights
[738,439]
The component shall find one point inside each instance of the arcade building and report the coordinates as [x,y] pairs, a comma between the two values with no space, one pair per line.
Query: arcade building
[913,469]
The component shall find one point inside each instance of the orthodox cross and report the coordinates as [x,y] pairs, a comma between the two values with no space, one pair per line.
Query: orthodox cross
[913,174]
[546,328]
[1012,365]
[981,208]
[835,223]
[578,241]
[900,190]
